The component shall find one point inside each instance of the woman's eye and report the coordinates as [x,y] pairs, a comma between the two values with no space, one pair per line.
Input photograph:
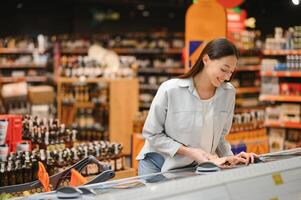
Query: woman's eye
[223,70]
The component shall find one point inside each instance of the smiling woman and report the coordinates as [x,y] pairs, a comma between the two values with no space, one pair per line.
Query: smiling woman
[190,116]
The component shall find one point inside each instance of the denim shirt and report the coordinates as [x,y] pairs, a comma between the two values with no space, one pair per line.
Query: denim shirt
[174,119]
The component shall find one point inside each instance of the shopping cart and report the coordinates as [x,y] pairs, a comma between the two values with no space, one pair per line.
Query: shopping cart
[62,179]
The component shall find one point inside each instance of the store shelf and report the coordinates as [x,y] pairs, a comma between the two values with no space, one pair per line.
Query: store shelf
[249,68]
[146,51]
[231,134]
[83,80]
[248,109]
[84,104]
[280,98]
[22,66]
[15,51]
[74,51]
[170,70]
[246,90]
[281,73]
[144,105]
[149,87]
[273,124]
[281,52]
[126,51]
[28,79]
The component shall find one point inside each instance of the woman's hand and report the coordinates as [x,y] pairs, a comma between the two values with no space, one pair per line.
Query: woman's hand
[231,161]
[198,155]
[195,154]
[246,158]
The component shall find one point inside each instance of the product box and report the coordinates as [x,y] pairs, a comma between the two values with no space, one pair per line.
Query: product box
[290,112]
[14,129]
[41,95]
[291,145]
[294,135]
[276,139]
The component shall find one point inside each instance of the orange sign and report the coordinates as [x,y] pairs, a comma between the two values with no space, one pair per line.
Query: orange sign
[205,20]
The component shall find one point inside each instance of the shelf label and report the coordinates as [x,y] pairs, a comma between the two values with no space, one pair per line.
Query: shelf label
[277,179]
[274,198]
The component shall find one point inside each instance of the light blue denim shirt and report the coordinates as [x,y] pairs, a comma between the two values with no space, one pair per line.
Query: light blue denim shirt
[174,120]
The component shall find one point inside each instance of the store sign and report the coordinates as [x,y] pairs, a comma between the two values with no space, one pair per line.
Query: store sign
[235,21]
[205,20]
[230,3]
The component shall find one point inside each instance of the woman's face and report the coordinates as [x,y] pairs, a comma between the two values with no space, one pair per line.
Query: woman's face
[219,70]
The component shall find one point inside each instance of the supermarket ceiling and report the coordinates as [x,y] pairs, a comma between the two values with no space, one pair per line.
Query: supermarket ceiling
[86,16]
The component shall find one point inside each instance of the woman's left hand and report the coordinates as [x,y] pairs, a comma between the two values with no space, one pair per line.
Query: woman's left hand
[249,157]
[231,161]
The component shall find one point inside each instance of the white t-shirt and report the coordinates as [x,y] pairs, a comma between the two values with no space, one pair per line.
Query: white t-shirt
[206,134]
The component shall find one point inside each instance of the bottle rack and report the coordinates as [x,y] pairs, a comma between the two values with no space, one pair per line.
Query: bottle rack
[106,106]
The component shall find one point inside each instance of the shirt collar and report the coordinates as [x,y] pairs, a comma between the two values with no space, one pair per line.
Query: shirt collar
[188,82]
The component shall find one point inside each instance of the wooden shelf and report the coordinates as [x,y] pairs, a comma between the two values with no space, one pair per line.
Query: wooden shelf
[83,80]
[281,73]
[144,105]
[248,109]
[122,106]
[74,51]
[14,51]
[84,104]
[249,68]
[126,51]
[171,70]
[280,98]
[246,90]
[281,52]
[149,87]
[28,65]
[246,132]
[272,124]
[146,51]
[28,79]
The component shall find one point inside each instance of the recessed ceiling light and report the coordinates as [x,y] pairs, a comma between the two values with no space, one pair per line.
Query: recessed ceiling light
[296,2]
[19,5]
[145,13]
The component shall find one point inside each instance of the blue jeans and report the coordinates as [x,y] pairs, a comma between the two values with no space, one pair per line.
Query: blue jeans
[152,163]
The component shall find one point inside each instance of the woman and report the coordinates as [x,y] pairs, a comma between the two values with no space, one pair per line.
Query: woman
[190,116]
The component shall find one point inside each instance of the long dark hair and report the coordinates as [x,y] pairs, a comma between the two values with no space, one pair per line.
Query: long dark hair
[215,49]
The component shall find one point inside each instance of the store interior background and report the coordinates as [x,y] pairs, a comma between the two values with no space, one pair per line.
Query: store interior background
[79,16]
[87,20]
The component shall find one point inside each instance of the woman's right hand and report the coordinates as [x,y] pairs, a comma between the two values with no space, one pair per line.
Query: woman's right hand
[198,155]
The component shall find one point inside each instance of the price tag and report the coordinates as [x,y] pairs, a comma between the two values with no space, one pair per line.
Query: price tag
[274,198]
[277,179]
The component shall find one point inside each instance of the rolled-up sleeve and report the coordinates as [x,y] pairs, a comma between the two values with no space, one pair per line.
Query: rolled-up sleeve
[224,148]
[153,130]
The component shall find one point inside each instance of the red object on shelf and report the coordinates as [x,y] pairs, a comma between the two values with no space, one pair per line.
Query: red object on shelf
[14,129]
[230,3]
[290,89]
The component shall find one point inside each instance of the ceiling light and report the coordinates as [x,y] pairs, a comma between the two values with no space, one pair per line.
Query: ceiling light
[296,2]
[145,13]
